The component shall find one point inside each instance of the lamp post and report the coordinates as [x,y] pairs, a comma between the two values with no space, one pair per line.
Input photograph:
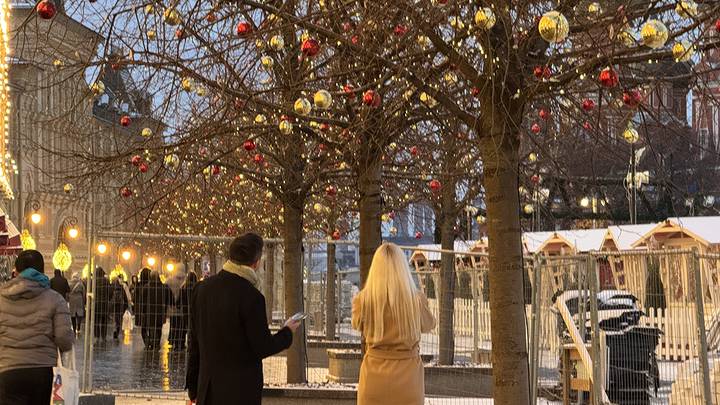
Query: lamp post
[471,212]
[68,228]
[34,217]
[631,136]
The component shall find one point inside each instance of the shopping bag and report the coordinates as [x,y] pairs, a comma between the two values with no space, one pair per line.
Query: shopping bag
[66,382]
[128,321]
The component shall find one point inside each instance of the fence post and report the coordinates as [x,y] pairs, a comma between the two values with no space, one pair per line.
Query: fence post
[535,328]
[592,279]
[703,355]
[474,285]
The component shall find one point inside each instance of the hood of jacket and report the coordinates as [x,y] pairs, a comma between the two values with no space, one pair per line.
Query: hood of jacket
[21,288]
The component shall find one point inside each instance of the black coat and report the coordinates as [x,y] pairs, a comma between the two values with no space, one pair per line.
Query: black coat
[60,284]
[229,337]
[103,293]
[157,299]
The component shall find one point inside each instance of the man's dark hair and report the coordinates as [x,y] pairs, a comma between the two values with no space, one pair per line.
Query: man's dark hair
[246,249]
[30,259]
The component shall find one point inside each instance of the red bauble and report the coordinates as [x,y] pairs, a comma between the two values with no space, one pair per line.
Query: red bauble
[414,150]
[544,114]
[136,160]
[542,72]
[587,125]
[258,158]
[632,98]
[203,151]
[310,47]
[371,98]
[355,39]
[535,128]
[46,9]
[179,33]
[435,185]
[349,90]
[125,121]
[535,179]
[475,91]
[347,26]
[125,192]
[243,29]
[588,105]
[239,103]
[608,77]
[324,126]
[400,30]
[418,235]
[143,167]
[391,215]
[215,169]
[211,17]
[322,148]
[717,24]
[336,235]
[213,202]
[330,191]
[249,145]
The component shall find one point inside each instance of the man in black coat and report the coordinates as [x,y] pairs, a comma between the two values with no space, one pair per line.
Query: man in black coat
[60,284]
[229,334]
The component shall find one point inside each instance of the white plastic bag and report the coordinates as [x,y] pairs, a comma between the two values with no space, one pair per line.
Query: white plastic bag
[128,321]
[66,382]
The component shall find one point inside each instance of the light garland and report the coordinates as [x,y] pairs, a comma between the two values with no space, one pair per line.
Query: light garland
[5,187]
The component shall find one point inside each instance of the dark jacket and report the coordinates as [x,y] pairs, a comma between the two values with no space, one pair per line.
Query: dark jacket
[103,293]
[118,301]
[229,337]
[60,284]
[157,299]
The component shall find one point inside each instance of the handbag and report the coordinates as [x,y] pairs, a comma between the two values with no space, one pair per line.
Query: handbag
[66,382]
[128,321]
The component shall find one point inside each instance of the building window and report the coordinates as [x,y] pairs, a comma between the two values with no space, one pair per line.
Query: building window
[702,141]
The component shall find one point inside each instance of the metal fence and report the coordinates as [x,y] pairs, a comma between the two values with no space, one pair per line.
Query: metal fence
[640,327]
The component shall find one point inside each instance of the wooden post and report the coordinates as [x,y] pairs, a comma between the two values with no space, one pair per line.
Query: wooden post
[270,282]
[699,304]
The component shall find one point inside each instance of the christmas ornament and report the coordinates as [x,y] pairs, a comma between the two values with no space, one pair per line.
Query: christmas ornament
[143,167]
[627,36]
[277,43]
[435,185]
[286,127]
[146,132]
[631,135]
[149,9]
[588,105]
[26,241]
[318,207]
[423,41]
[200,91]
[215,169]
[97,88]
[125,121]
[171,17]
[717,24]
[330,191]
[414,150]
[211,17]
[136,160]
[249,145]
[400,30]
[243,29]
[310,47]
[260,119]
[418,235]
[587,126]
[535,179]
[302,106]
[267,62]
[323,99]
[528,209]
[428,100]
[535,128]
[553,27]
[46,9]
[594,9]
[324,127]
[654,34]
[172,162]
[336,235]
[62,258]
[544,114]
[485,18]
[125,192]
[686,8]
[258,158]
[371,98]
[187,84]
[179,34]
[532,157]
[58,64]
[683,51]
[608,77]
[68,188]
[632,98]
[542,72]
[151,35]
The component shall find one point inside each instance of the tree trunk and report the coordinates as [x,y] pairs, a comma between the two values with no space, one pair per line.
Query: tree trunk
[499,152]
[212,257]
[330,293]
[270,282]
[293,283]
[370,214]
[447,290]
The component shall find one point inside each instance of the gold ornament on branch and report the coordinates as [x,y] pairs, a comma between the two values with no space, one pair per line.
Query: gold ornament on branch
[302,106]
[683,51]
[686,8]
[323,99]
[277,43]
[286,127]
[485,18]
[631,135]
[594,8]
[62,258]
[654,34]
[171,17]
[267,62]
[553,27]
[26,240]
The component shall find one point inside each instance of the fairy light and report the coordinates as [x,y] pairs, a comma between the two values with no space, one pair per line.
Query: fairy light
[5,188]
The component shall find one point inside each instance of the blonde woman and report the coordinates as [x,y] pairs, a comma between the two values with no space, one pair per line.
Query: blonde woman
[391,313]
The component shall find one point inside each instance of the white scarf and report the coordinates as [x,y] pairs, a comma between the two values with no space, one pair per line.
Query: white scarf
[243,271]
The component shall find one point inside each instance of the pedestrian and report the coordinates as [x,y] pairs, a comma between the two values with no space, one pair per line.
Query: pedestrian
[391,313]
[118,304]
[103,292]
[229,333]
[179,329]
[139,302]
[158,299]
[77,302]
[34,325]
[60,284]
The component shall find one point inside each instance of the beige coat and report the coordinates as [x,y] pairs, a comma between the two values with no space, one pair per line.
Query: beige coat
[392,371]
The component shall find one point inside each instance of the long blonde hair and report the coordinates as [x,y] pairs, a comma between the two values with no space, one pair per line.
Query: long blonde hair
[390,287]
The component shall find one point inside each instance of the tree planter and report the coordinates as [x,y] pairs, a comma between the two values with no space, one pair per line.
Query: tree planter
[344,365]
[459,381]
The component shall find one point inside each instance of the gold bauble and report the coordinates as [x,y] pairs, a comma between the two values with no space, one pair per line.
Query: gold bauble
[171,17]
[277,43]
[686,8]
[428,100]
[58,63]
[201,91]
[68,188]
[318,207]
[627,37]
[631,135]
[323,99]
[532,157]
[286,127]
[260,44]
[304,37]
[594,8]
[187,84]
[654,34]
[146,132]
[450,77]
[151,35]
[267,62]
[149,9]
[97,88]
[172,162]
[553,27]
[683,51]
[260,119]
[485,18]
[528,209]
[457,23]
[302,106]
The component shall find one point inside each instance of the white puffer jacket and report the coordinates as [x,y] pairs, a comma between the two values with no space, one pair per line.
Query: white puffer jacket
[34,324]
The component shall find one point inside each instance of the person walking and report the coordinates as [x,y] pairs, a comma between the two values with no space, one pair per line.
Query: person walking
[60,284]
[103,292]
[118,304]
[391,313]
[157,299]
[138,295]
[178,330]
[77,302]
[34,325]
[229,333]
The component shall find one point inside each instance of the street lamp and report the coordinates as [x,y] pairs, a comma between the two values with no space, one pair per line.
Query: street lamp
[73,233]
[151,261]
[102,248]
[35,217]
[170,267]
[126,255]
[632,136]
